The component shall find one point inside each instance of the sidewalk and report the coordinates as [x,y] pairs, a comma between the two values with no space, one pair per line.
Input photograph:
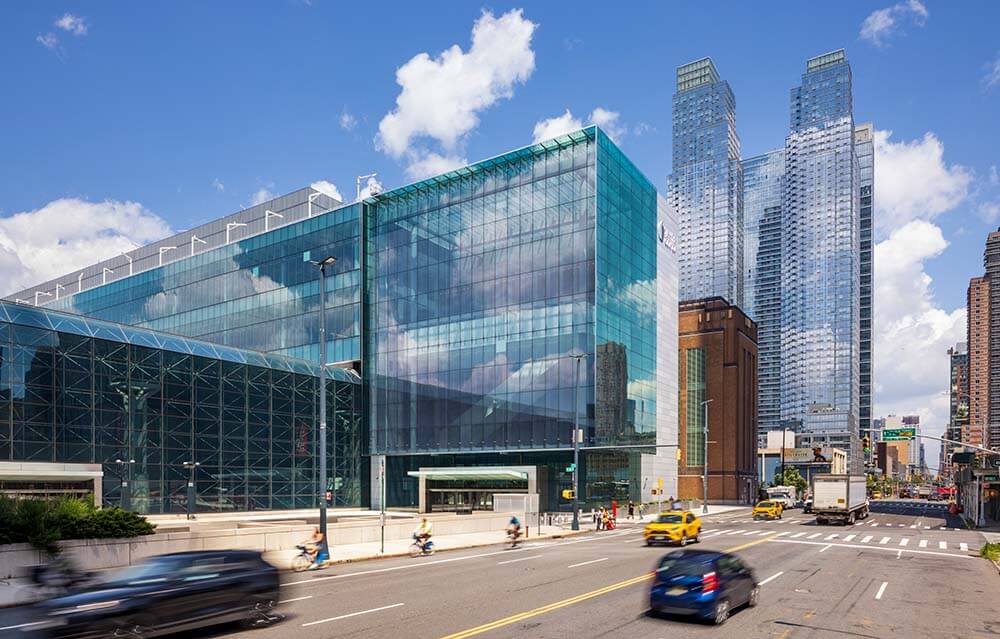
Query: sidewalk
[347,553]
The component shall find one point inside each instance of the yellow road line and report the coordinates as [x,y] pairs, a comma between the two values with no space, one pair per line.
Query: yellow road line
[500,623]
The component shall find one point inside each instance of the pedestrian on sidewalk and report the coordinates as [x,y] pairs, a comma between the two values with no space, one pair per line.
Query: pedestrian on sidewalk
[605,519]
[631,510]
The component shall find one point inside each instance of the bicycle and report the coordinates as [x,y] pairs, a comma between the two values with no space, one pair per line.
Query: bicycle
[513,534]
[421,547]
[304,560]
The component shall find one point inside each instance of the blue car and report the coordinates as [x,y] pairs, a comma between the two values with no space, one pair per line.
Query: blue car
[704,583]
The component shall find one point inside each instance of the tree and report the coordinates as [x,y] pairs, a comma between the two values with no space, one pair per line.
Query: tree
[791,477]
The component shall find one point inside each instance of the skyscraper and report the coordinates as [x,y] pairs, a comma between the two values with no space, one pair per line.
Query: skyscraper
[820,261]
[958,417]
[864,145]
[705,187]
[991,260]
[763,191]
[978,336]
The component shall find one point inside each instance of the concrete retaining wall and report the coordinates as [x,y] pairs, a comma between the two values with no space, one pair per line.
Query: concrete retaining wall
[100,554]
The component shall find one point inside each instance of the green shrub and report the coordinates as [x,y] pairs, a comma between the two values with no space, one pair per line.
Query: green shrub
[43,523]
[990,551]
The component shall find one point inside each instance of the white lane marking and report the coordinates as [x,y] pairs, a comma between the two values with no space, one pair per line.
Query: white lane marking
[782,534]
[881,590]
[899,554]
[23,625]
[352,614]
[825,548]
[923,543]
[284,601]
[874,523]
[849,537]
[587,563]
[943,545]
[716,532]
[797,535]
[964,547]
[511,561]
[913,526]
[841,545]
[866,539]
[752,532]
[904,541]
[833,536]
[772,578]
[884,540]
[814,535]
[736,532]
[927,527]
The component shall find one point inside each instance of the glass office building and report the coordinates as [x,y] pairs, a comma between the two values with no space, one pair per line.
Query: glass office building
[763,192]
[820,261]
[482,286]
[461,300]
[244,280]
[705,186]
[76,390]
[864,144]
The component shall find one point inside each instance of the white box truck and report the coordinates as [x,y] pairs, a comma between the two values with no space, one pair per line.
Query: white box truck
[841,498]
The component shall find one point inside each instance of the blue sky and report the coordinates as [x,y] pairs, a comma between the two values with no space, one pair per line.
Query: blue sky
[188,110]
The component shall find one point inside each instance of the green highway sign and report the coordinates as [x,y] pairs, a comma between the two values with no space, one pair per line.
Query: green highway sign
[898,434]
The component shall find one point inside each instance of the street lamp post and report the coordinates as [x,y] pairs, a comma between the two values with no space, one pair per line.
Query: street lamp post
[191,495]
[322,264]
[576,444]
[704,461]
[125,473]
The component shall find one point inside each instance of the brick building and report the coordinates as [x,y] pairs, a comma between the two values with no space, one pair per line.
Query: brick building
[718,364]
[978,334]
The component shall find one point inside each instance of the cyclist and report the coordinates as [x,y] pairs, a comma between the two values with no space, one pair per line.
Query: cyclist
[514,529]
[315,548]
[423,532]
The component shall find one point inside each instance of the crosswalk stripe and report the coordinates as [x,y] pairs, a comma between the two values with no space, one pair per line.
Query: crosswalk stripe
[943,545]
[814,535]
[829,537]
[905,541]
[866,539]
[782,534]
[849,537]
[884,540]
[736,532]
[923,543]
[796,535]
[752,532]
[964,547]
[874,523]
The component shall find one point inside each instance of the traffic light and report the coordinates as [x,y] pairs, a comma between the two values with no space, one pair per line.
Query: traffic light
[568,494]
[866,443]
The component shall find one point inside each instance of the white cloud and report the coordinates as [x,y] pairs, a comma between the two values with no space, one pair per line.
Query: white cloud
[882,23]
[642,129]
[262,195]
[49,40]
[567,123]
[328,188]
[73,24]
[994,176]
[347,121]
[218,185]
[912,333]
[992,77]
[990,212]
[912,181]
[69,234]
[442,98]
[372,186]
[431,163]
[554,127]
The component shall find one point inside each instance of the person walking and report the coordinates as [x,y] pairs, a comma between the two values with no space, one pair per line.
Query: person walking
[631,510]
[605,519]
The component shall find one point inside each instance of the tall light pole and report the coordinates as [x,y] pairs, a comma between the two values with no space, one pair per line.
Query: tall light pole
[191,466]
[704,461]
[322,264]
[364,177]
[37,293]
[576,444]
[229,229]
[125,473]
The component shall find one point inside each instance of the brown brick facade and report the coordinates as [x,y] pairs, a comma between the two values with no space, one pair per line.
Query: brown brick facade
[979,360]
[729,342]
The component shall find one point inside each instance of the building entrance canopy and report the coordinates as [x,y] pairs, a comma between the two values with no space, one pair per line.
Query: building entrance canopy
[468,474]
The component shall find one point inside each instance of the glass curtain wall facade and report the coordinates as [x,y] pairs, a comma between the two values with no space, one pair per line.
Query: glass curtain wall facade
[864,143]
[706,185]
[763,192]
[482,285]
[259,292]
[820,268]
[79,390]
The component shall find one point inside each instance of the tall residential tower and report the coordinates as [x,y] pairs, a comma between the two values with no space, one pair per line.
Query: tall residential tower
[705,188]
[820,261]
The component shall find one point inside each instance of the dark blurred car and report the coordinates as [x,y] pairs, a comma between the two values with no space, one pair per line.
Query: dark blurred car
[705,583]
[165,594]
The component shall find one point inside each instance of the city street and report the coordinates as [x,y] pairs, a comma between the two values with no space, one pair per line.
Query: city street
[906,571]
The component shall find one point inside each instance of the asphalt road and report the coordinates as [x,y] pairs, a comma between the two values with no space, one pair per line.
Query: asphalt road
[906,571]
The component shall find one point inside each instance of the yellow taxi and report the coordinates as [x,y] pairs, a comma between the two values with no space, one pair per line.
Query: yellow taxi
[767,509]
[673,527]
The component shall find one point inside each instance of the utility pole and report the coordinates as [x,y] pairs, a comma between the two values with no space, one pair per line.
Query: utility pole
[576,445]
[322,264]
[704,475]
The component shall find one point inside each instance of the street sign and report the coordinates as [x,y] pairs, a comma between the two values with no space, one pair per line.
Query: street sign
[571,468]
[898,434]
